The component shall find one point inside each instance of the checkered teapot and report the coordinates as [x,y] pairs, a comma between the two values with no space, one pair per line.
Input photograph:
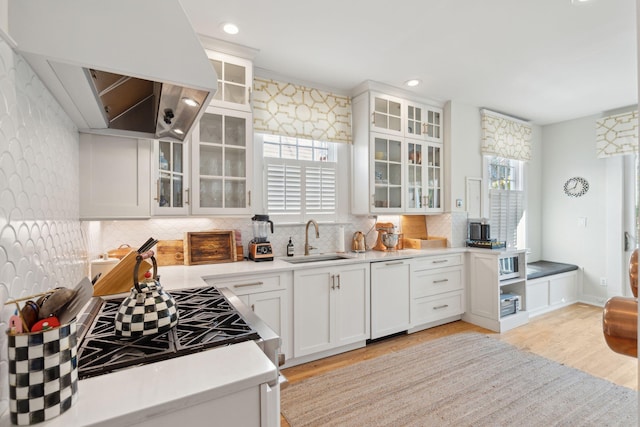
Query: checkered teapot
[148,310]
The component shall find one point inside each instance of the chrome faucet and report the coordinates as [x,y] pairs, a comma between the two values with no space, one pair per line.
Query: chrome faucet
[307,246]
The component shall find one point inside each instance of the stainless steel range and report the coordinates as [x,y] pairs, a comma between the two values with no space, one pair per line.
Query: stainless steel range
[208,317]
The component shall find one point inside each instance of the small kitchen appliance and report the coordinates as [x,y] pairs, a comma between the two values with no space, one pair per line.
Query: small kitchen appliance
[259,248]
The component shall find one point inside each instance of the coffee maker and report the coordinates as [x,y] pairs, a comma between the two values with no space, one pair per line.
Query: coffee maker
[259,247]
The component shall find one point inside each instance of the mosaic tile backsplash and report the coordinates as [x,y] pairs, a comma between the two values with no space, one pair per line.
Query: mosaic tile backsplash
[41,241]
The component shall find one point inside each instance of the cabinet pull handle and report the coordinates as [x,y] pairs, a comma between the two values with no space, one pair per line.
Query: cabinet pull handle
[333,282]
[394,263]
[249,198]
[253,307]
[157,198]
[188,194]
[338,276]
[440,307]
[441,281]
[439,261]
[373,118]
[243,285]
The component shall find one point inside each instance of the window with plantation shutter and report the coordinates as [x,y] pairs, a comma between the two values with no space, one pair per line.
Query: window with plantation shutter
[506,215]
[300,179]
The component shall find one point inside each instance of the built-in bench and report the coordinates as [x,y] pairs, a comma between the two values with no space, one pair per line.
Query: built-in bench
[538,269]
[550,285]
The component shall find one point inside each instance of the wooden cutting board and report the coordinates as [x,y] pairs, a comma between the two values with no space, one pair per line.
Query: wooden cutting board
[170,252]
[209,247]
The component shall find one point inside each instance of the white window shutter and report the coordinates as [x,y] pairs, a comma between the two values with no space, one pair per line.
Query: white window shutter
[284,192]
[507,209]
[320,189]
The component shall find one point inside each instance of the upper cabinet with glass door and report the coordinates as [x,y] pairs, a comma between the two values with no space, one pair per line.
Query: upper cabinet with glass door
[386,114]
[170,166]
[235,80]
[221,162]
[423,122]
[423,189]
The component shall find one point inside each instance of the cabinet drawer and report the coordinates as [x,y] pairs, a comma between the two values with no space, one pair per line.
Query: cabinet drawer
[251,284]
[432,282]
[427,263]
[430,309]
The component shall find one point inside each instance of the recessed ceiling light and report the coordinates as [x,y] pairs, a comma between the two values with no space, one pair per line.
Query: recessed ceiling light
[179,131]
[412,82]
[190,102]
[579,1]
[230,28]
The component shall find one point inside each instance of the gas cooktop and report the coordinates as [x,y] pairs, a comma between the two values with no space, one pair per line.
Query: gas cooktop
[206,319]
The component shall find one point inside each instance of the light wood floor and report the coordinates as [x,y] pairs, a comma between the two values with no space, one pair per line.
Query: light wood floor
[572,336]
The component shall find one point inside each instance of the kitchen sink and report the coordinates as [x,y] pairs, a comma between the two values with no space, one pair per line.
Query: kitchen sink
[316,258]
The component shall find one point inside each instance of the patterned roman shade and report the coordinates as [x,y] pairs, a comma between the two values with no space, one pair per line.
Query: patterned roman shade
[617,134]
[505,136]
[288,109]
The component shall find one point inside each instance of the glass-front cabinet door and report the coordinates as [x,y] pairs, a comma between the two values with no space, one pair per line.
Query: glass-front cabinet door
[388,174]
[235,80]
[221,162]
[423,122]
[423,187]
[386,114]
[171,193]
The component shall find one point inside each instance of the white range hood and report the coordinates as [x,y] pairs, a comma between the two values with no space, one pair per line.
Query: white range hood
[119,66]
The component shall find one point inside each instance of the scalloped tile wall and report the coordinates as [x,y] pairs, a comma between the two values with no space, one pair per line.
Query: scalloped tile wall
[41,242]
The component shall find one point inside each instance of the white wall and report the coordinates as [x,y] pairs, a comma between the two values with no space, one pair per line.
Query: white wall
[569,150]
[41,245]
[463,160]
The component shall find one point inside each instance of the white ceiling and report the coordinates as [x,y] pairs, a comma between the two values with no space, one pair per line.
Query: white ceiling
[541,60]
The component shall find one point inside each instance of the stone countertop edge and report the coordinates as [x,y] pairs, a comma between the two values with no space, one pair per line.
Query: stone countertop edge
[131,396]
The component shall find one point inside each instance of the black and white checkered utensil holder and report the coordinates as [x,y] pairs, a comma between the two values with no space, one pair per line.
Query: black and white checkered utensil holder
[43,374]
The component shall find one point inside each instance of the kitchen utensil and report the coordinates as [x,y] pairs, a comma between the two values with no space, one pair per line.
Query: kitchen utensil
[82,294]
[358,242]
[209,247]
[390,240]
[148,310]
[54,303]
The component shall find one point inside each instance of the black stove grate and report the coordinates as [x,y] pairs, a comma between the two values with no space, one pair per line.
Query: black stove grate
[206,320]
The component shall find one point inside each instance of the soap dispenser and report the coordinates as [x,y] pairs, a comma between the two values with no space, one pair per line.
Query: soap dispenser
[290,247]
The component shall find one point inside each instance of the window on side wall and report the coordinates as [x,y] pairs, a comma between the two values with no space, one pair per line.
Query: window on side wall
[507,211]
[300,179]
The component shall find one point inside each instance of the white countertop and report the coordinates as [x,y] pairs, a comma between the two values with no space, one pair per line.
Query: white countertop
[133,395]
[179,276]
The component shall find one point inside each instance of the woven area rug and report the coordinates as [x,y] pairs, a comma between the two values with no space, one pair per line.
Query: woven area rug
[462,380]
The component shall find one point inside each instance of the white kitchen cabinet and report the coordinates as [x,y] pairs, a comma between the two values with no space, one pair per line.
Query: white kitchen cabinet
[222,153]
[330,308]
[389,297]
[423,122]
[437,290]
[485,287]
[115,176]
[549,293]
[268,296]
[424,177]
[388,174]
[170,189]
[235,81]
[397,153]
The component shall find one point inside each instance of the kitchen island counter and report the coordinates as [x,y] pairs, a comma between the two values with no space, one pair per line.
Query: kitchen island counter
[151,392]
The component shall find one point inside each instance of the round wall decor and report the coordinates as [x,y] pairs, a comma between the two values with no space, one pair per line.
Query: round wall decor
[576,187]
